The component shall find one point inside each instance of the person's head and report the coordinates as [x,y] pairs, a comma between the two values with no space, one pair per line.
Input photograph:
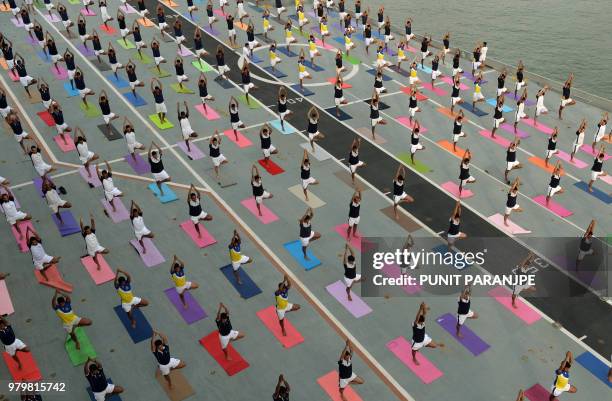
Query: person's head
[61,301]
[157,88]
[32,241]
[4,197]
[224,317]
[351,259]
[104,173]
[128,127]
[306,218]
[282,391]
[215,141]
[121,280]
[193,196]
[86,230]
[154,153]
[182,114]
[400,177]
[601,155]
[93,369]
[34,149]
[282,286]
[159,345]
[306,162]
[103,98]
[176,267]
[256,177]
[3,324]
[346,355]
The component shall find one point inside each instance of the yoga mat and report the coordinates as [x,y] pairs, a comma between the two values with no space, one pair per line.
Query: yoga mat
[23,226]
[140,166]
[6,305]
[136,100]
[313,201]
[59,75]
[69,146]
[450,81]
[540,163]
[248,288]
[424,69]
[472,78]
[453,189]
[381,106]
[373,71]
[539,126]
[184,51]
[476,111]
[356,242]
[597,368]
[168,195]
[510,128]
[295,249]
[194,153]
[512,228]
[522,310]
[252,104]
[71,92]
[598,193]
[394,271]
[104,275]
[145,22]
[194,311]
[319,153]
[537,393]
[400,71]
[165,125]
[267,216]
[46,117]
[43,56]
[470,340]
[417,165]
[201,65]
[109,30]
[181,389]
[29,371]
[52,18]
[90,110]
[242,141]
[143,58]
[212,31]
[111,134]
[55,279]
[553,206]
[445,111]
[86,51]
[511,95]
[286,52]
[501,141]
[206,238]
[303,91]
[289,129]
[333,80]
[152,257]
[184,90]
[88,12]
[589,150]
[68,225]
[93,181]
[329,383]
[449,146]
[275,72]
[126,44]
[326,46]
[38,186]
[271,167]
[209,114]
[357,307]
[426,371]
[114,397]
[142,331]
[79,356]
[343,115]
[351,59]
[313,67]
[505,108]
[405,121]
[269,318]
[212,344]
[224,83]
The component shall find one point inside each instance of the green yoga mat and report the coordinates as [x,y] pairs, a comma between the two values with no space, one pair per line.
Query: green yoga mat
[351,59]
[254,104]
[166,125]
[127,45]
[418,166]
[204,67]
[144,59]
[74,2]
[79,356]
[184,89]
[90,111]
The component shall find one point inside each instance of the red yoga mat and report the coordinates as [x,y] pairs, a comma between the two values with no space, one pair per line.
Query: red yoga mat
[212,344]
[271,167]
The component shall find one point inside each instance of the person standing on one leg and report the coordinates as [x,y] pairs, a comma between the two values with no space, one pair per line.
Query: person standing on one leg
[354,217]
[454,228]
[511,162]
[158,94]
[161,350]
[227,333]
[259,193]
[540,108]
[520,110]
[214,151]
[123,285]
[11,343]
[562,382]
[552,146]
[579,141]
[140,229]
[458,129]
[375,117]
[415,144]
[345,370]
[283,111]
[354,162]
[313,130]
[181,284]
[236,256]
[586,243]
[305,176]
[350,270]
[420,338]
[566,99]
[511,204]
[157,167]
[187,132]
[554,186]
[399,195]
[521,271]
[41,260]
[597,168]
[62,305]
[92,245]
[464,311]
[13,215]
[99,385]
[498,115]
[600,132]
[283,305]
[307,234]
[110,190]
[196,214]
[281,393]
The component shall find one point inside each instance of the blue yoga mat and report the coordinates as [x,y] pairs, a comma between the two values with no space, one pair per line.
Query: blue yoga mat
[169,196]
[304,92]
[595,366]
[315,67]
[400,71]
[493,102]
[443,248]
[424,69]
[295,249]
[142,331]
[286,51]
[69,225]
[224,83]
[339,39]
[468,106]
[289,129]
[44,56]
[276,72]
[255,58]
[372,71]
[114,397]
[71,92]
[136,101]
[470,340]
[248,288]
[343,115]
[598,193]
[118,82]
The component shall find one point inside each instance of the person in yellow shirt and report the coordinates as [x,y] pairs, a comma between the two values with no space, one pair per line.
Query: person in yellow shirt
[348,42]
[281,295]
[123,285]
[181,284]
[302,73]
[266,23]
[324,30]
[289,35]
[312,49]
[561,384]
[401,56]
[477,96]
[236,256]
[61,303]
[274,59]
[302,20]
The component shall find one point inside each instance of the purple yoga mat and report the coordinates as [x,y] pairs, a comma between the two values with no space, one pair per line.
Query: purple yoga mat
[87,52]
[38,185]
[470,340]
[528,102]
[510,128]
[153,257]
[140,166]
[194,154]
[68,226]
[93,179]
[194,311]
[120,214]
[472,78]
[357,306]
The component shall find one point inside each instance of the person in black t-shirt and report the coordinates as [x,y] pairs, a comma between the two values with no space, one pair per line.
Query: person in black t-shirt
[420,338]
[11,343]
[307,234]
[157,167]
[350,270]
[161,351]
[464,310]
[554,186]
[99,385]
[281,393]
[399,195]
[226,333]
[259,193]
[345,370]
[511,162]
[566,99]
[597,168]
[511,204]
[586,243]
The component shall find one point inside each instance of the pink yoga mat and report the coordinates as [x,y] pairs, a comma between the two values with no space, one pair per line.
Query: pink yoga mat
[356,241]
[61,75]
[209,114]
[194,152]
[453,188]
[606,178]
[184,52]
[537,392]
[501,141]
[510,128]
[329,383]
[64,147]
[242,141]
[206,239]
[553,206]
[267,216]
[522,311]
[540,127]
[23,226]
[589,149]
[153,257]
[120,214]
[434,89]
[93,180]
[89,13]
[128,9]
[405,121]
[426,371]
[394,271]
[52,18]
[13,75]
[566,157]
[104,275]
[324,45]
[357,307]
[269,318]
[511,228]
[6,305]
[219,12]
[449,81]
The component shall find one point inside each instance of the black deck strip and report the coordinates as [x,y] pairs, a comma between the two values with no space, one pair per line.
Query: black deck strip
[563,299]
